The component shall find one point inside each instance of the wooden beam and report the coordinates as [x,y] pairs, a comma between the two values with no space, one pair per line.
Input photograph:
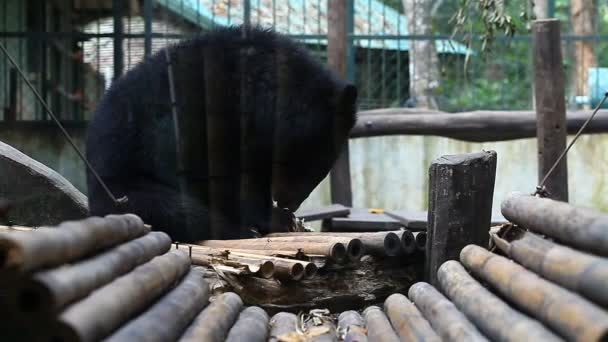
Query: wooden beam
[476,126]
[340,185]
[550,102]
[460,206]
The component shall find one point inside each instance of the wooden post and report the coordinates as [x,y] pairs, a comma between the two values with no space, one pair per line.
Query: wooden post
[336,57]
[460,206]
[550,106]
[117,7]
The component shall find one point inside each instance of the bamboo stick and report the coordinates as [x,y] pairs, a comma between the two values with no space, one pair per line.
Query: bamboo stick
[281,324]
[567,313]
[449,323]
[264,269]
[71,240]
[408,241]
[375,243]
[420,240]
[168,318]
[491,315]
[581,228]
[352,327]
[354,246]
[47,292]
[107,308]
[288,271]
[584,273]
[378,327]
[407,320]
[214,322]
[310,269]
[251,325]
[334,250]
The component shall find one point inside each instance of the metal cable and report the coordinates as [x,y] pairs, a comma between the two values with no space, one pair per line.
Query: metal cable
[116,201]
[540,188]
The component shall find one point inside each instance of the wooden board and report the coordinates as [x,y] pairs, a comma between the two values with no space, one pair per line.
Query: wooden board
[330,211]
[418,220]
[361,220]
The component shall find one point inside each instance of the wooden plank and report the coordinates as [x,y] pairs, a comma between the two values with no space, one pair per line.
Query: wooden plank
[460,202]
[477,126]
[549,91]
[361,220]
[314,214]
[340,183]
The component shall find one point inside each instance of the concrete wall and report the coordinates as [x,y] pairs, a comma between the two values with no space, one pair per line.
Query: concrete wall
[387,172]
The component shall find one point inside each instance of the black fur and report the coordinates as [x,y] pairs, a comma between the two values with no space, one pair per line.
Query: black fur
[287,116]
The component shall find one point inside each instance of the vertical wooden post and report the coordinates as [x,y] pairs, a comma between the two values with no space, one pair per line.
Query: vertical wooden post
[461,188]
[11,111]
[117,7]
[337,58]
[148,28]
[550,106]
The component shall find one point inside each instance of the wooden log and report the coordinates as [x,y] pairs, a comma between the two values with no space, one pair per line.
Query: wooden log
[47,292]
[421,240]
[107,308]
[567,313]
[378,327]
[71,240]
[491,315]
[460,206]
[408,241]
[410,219]
[168,318]
[379,243]
[449,323]
[251,325]
[334,210]
[549,94]
[581,228]
[352,327]
[282,324]
[407,320]
[363,221]
[334,250]
[477,126]
[215,321]
[581,272]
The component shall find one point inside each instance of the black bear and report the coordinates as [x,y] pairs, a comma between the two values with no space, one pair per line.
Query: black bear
[204,135]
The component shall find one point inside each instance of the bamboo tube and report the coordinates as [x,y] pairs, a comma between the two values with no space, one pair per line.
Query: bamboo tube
[378,327]
[67,242]
[420,240]
[407,320]
[251,325]
[354,246]
[281,324]
[491,315]
[584,273]
[264,269]
[334,250]
[582,228]
[310,269]
[352,327]
[376,243]
[567,313]
[449,323]
[47,292]
[168,318]
[288,271]
[213,323]
[107,308]
[408,241]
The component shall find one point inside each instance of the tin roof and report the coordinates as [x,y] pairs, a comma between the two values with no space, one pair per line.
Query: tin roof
[307,17]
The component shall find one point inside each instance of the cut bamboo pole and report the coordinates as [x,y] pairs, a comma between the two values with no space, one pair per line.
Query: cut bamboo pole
[214,322]
[582,228]
[449,323]
[567,313]
[168,318]
[288,271]
[47,292]
[334,250]
[408,241]
[282,324]
[251,325]
[491,315]
[107,308]
[584,273]
[407,320]
[378,327]
[264,269]
[376,243]
[71,240]
[420,240]
[352,327]
[354,246]
[310,269]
